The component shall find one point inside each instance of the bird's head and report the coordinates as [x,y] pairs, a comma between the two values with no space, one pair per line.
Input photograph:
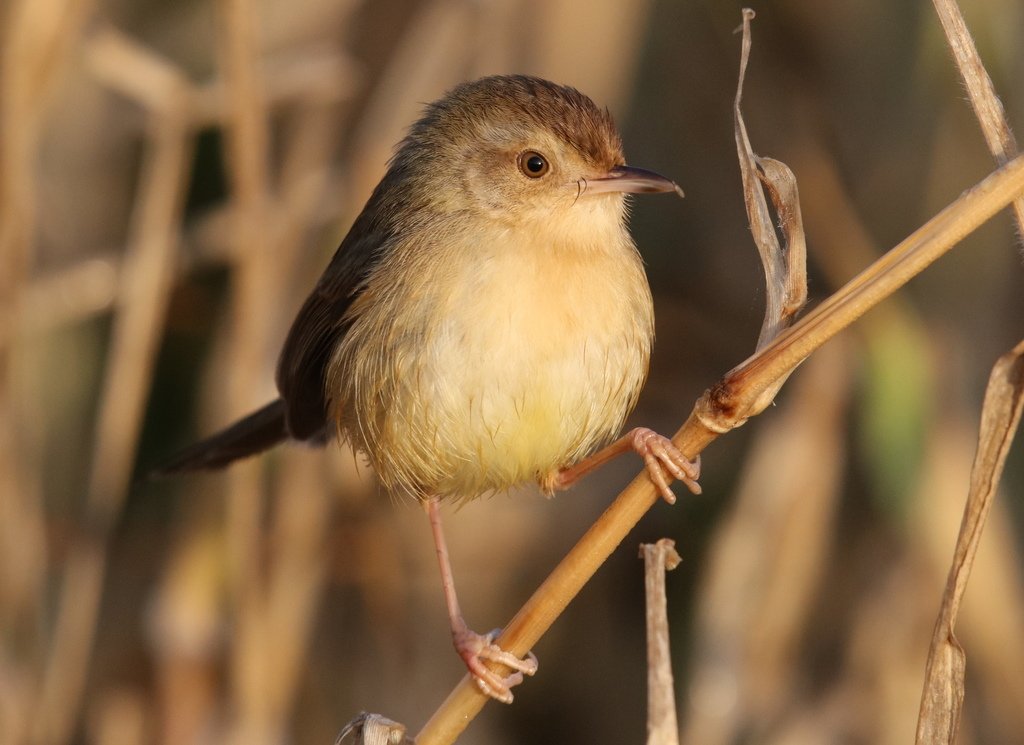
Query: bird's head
[518,149]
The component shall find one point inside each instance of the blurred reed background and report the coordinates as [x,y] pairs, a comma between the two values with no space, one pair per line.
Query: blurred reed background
[174,178]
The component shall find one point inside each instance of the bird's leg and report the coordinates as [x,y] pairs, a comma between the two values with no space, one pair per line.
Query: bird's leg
[659,455]
[472,647]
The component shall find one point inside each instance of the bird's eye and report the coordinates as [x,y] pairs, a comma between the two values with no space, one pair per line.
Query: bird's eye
[533,164]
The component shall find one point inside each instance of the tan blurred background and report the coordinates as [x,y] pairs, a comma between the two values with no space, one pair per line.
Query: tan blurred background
[175,176]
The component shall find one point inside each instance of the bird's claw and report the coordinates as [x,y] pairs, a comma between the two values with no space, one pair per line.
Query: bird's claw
[475,649]
[660,453]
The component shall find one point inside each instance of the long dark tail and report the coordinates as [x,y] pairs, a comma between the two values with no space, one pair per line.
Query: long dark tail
[255,433]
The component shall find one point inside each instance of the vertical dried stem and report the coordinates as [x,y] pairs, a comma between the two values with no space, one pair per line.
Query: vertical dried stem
[987,106]
[662,725]
[34,36]
[145,282]
[255,297]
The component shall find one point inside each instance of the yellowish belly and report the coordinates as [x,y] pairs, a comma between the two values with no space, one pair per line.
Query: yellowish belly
[520,371]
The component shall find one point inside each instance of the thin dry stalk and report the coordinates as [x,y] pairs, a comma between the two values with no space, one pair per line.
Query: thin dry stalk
[662,725]
[247,153]
[986,104]
[36,37]
[255,296]
[142,299]
[942,698]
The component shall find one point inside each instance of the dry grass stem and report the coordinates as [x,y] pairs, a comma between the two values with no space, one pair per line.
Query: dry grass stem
[35,39]
[662,726]
[987,106]
[255,288]
[145,283]
[942,698]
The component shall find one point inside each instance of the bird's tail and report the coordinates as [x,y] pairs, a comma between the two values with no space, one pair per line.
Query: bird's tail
[255,433]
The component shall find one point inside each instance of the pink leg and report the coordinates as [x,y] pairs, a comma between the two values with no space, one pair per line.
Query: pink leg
[471,646]
[659,455]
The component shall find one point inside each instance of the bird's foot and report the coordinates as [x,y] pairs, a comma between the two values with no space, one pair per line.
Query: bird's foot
[474,649]
[659,452]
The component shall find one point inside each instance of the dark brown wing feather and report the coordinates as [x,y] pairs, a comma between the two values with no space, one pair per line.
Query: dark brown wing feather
[321,323]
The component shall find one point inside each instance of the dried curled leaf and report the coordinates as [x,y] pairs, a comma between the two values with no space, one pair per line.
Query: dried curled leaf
[784,266]
[943,695]
[785,270]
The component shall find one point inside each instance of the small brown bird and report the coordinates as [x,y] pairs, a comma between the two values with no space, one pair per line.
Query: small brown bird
[486,321]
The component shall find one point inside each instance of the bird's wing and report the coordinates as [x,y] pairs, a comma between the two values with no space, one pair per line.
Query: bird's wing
[321,323]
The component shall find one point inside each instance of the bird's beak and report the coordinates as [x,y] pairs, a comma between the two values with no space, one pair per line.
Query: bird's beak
[630,180]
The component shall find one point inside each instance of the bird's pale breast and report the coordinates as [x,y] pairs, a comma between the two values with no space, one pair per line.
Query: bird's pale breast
[500,369]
